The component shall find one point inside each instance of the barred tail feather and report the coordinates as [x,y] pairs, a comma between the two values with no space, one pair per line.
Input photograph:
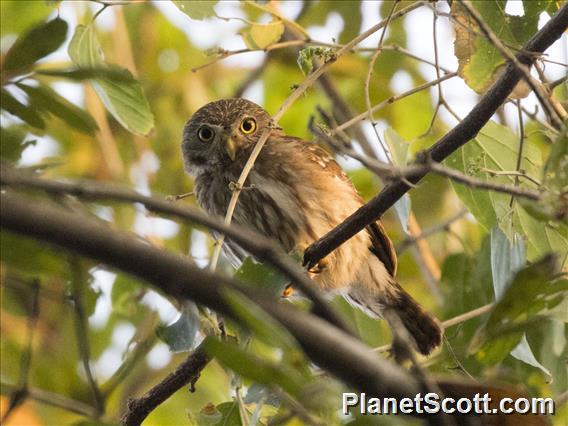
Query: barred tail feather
[425,330]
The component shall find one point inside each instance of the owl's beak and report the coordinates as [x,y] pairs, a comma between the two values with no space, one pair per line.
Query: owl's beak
[231,146]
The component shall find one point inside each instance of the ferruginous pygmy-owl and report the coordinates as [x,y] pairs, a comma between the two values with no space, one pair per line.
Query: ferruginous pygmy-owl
[296,193]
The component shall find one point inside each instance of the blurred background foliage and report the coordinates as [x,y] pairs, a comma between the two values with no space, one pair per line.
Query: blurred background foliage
[101,91]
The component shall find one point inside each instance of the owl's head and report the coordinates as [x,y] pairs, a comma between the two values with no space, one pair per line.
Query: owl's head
[222,133]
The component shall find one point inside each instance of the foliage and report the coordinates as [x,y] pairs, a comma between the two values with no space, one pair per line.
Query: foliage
[102,92]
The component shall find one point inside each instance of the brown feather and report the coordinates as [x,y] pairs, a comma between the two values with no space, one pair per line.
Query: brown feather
[382,246]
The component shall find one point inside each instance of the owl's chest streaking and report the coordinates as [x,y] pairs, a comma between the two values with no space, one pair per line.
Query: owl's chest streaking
[267,204]
[294,194]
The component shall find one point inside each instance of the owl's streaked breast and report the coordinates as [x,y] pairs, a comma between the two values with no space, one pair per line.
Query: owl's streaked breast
[268,206]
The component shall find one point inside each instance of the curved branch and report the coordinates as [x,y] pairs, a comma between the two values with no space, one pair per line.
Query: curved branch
[331,348]
[457,137]
[256,244]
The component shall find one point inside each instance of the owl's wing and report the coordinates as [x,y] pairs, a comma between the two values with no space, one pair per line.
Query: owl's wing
[381,245]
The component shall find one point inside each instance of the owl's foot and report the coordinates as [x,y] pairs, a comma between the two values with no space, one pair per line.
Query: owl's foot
[287,292]
[319,267]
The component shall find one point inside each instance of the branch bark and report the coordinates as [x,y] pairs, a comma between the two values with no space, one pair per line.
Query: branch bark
[187,372]
[331,348]
[256,244]
[457,137]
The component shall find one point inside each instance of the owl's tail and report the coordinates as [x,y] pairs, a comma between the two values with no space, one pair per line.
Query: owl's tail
[388,300]
[400,309]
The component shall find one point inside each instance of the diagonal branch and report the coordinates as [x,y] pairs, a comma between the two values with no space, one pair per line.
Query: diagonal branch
[187,372]
[332,349]
[457,137]
[256,244]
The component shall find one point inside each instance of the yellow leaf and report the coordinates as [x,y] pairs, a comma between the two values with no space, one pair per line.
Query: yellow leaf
[260,36]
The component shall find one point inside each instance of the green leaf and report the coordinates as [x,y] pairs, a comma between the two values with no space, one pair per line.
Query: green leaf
[255,368]
[261,276]
[38,42]
[230,414]
[260,36]
[197,9]
[13,143]
[19,16]
[112,73]
[262,324]
[125,295]
[506,259]
[531,293]
[44,98]
[23,112]
[125,101]
[306,56]
[495,148]
[180,335]
[398,150]
[398,147]
[480,62]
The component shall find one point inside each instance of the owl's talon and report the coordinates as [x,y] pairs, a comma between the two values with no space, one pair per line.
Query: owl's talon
[316,268]
[319,267]
[287,292]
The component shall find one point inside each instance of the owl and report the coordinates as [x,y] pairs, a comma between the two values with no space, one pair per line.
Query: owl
[296,193]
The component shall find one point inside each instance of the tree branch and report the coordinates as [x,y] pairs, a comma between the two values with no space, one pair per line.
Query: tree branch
[329,347]
[453,140]
[332,349]
[186,372]
[256,244]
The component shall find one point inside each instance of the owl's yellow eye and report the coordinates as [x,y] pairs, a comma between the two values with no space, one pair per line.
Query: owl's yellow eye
[248,126]
[205,134]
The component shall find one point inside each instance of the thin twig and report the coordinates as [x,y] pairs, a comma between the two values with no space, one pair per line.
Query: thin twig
[391,100]
[283,108]
[403,245]
[425,166]
[533,116]
[518,174]
[78,283]
[437,67]
[457,361]
[521,145]
[468,315]
[55,400]
[452,321]
[368,83]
